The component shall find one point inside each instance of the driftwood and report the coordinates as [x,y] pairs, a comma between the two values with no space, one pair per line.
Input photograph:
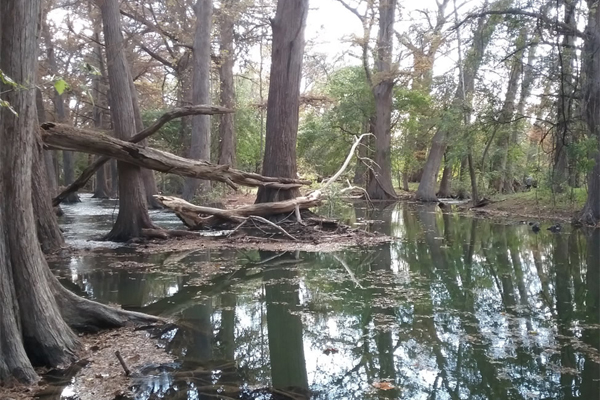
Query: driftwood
[59,136]
[200,217]
[166,117]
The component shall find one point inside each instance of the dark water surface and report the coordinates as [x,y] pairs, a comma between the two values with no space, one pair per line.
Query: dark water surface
[456,308]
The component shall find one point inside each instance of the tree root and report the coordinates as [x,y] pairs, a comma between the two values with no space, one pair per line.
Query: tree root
[84,315]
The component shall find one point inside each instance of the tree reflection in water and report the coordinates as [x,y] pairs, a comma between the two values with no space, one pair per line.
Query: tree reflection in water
[456,308]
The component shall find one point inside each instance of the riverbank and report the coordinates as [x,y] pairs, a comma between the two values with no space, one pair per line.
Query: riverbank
[535,205]
[98,374]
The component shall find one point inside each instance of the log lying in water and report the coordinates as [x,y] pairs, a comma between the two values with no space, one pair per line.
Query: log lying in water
[65,137]
[200,217]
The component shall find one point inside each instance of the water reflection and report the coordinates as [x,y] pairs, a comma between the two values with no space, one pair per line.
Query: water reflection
[456,308]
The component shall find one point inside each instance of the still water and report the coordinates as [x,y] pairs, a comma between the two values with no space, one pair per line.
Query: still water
[456,308]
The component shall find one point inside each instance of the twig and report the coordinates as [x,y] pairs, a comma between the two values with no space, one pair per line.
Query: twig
[298,216]
[122,362]
[266,221]
[237,228]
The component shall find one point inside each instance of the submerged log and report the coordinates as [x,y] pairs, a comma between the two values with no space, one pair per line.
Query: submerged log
[61,136]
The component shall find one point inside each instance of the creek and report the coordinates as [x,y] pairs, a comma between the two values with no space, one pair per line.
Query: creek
[455,308]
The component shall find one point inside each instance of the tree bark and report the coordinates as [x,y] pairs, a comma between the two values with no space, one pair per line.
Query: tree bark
[200,145]
[31,327]
[380,185]
[114,179]
[147,174]
[48,231]
[227,141]
[284,96]
[591,87]
[446,183]
[133,212]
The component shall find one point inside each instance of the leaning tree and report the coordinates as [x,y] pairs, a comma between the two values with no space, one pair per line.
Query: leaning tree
[37,315]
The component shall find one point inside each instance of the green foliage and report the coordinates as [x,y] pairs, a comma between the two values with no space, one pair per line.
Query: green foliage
[169,137]
[326,135]
[247,126]
[6,104]
[7,81]
[60,85]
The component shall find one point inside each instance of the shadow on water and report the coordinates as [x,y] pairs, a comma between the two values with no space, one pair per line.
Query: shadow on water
[455,308]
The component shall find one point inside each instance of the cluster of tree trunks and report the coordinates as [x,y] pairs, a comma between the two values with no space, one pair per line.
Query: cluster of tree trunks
[460,107]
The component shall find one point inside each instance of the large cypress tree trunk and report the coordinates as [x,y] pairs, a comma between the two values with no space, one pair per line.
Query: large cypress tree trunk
[147,174]
[133,213]
[380,185]
[226,128]
[200,145]
[284,97]
[591,88]
[31,327]
[36,312]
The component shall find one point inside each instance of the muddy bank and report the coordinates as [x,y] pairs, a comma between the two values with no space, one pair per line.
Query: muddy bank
[98,374]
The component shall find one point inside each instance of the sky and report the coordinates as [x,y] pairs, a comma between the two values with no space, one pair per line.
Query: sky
[330,25]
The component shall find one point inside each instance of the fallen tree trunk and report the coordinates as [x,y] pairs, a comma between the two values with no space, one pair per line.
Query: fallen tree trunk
[200,217]
[166,117]
[61,136]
